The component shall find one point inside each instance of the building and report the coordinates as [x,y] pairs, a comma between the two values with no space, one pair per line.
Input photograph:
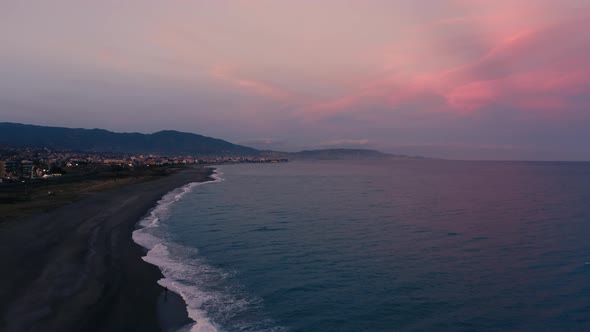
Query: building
[27,168]
[2,169]
[12,168]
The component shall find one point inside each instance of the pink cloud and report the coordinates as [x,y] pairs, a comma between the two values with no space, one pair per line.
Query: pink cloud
[540,68]
[527,56]
[471,96]
[534,91]
[257,87]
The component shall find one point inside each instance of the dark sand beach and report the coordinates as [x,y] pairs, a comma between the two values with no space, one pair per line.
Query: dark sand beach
[76,268]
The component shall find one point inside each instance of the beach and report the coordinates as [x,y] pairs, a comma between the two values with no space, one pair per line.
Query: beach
[76,268]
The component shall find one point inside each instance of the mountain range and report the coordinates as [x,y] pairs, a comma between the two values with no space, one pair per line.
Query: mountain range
[99,140]
[167,142]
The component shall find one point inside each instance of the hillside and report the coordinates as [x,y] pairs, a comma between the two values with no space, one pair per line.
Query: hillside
[166,142]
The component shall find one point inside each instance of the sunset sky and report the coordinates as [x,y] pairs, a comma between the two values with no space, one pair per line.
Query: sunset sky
[468,79]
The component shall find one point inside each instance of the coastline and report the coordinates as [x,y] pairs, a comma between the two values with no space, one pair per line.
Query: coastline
[78,268]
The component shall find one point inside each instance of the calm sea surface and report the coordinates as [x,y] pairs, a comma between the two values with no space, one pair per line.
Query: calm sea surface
[380,246]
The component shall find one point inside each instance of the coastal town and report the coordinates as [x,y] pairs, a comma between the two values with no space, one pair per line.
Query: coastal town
[18,164]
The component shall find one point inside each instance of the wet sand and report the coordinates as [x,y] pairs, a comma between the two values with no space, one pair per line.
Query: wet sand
[77,268]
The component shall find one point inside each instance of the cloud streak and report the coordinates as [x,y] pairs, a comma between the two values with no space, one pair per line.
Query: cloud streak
[227,75]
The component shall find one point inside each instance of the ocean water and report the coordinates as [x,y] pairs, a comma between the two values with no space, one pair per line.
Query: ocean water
[379,246]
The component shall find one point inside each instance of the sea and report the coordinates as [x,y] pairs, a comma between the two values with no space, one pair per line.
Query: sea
[398,245]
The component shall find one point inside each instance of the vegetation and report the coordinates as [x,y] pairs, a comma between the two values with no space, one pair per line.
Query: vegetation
[30,196]
[166,142]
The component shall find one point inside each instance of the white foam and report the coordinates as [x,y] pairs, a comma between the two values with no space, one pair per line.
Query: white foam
[175,271]
[199,284]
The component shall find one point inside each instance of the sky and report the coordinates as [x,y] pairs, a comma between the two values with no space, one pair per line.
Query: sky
[465,79]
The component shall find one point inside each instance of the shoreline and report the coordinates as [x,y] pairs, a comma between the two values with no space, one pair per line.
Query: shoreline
[78,268]
[146,235]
